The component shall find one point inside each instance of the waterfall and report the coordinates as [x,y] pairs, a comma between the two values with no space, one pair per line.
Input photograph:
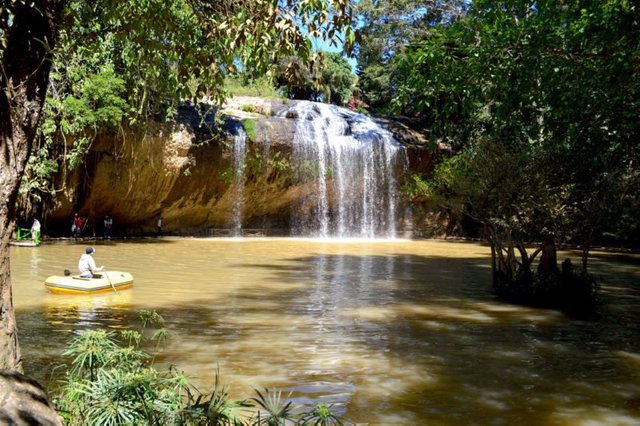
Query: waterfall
[349,164]
[344,168]
[239,156]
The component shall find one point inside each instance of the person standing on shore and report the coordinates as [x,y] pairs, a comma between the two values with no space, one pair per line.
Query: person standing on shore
[108,223]
[73,224]
[77,226]
[35,231]
[159,226]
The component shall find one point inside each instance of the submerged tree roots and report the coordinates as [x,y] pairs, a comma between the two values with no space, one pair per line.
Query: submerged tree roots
[570,291]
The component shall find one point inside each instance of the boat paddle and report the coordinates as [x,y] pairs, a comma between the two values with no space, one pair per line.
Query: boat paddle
[109,279]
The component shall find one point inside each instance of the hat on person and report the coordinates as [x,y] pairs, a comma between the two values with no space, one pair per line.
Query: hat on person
[90,250]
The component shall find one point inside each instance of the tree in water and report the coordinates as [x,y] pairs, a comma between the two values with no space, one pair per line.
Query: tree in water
[537,100]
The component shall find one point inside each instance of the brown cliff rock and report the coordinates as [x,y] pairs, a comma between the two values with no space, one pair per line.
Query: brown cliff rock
[182,172]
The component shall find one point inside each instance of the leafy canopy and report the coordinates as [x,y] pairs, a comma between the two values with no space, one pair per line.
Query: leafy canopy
[540,98]
[122,63]
[387,28]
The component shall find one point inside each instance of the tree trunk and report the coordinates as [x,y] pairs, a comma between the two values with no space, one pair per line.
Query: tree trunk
[548,258]
[586,248]
[26,61]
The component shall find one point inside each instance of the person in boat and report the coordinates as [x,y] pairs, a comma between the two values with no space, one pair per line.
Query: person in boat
[87,265]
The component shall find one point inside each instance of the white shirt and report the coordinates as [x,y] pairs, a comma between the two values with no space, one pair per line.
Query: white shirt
[36,225]
[87,264]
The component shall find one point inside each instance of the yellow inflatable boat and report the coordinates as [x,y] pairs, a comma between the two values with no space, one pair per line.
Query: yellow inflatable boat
[103,282]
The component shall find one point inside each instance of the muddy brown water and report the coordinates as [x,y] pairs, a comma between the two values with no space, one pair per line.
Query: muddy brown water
[391,332]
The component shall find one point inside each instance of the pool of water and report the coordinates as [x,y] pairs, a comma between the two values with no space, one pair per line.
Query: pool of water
[391,332]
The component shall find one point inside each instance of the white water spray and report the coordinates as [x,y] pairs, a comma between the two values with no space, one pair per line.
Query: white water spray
[239,156]
[349,164]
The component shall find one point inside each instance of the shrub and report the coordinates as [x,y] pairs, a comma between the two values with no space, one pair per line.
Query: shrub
[249,126]
[244,86]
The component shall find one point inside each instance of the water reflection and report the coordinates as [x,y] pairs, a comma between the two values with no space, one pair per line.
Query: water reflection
[82,312]
[391,332]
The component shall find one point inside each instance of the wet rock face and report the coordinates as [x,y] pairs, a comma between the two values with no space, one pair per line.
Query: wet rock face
[186,175]
[23,401]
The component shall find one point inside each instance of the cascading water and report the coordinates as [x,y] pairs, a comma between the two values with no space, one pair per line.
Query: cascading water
[239,156]
[349,163]
[344,163]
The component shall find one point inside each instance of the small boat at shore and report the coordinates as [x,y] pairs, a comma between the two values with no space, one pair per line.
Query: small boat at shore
[103,282]
[26,238]
[25,243]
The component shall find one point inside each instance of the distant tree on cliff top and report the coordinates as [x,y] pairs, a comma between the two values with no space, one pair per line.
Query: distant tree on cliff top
[387,28]
[337,79]
[127,59]
[332,82]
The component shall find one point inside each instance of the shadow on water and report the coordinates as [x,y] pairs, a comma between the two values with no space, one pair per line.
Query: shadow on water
[478,358]
[395,339]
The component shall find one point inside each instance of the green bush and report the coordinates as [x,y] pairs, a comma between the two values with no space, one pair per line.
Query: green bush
[242,86]
[249,126]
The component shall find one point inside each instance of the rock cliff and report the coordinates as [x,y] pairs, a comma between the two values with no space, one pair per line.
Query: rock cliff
[182,172]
